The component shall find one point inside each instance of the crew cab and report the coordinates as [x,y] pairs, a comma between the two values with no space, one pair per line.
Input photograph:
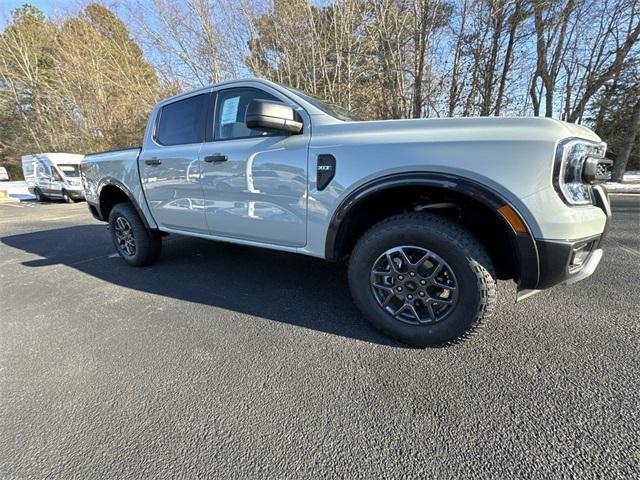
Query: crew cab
[429,213]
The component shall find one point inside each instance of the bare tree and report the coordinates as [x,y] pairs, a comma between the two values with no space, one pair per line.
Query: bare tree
[634,127]
[553,22]
[616,37]
[192,41]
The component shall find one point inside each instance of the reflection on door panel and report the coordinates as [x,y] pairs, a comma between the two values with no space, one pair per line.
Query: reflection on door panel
[260,192]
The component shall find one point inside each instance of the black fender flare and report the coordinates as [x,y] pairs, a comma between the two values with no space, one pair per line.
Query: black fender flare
[110,181]
[524,243]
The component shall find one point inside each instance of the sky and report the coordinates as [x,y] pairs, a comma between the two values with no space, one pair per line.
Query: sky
[49,7]
[11,4]
[6,6]
[45,5]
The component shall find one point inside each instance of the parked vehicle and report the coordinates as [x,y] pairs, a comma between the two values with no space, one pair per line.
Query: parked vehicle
[429,213]
[4,175]
[53,175]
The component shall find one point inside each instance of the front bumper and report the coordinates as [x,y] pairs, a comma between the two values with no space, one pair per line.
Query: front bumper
[558,261]
[588,268]
[568,262]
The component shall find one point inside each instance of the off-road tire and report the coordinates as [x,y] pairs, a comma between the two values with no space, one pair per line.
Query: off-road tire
[148,244]
[471,265]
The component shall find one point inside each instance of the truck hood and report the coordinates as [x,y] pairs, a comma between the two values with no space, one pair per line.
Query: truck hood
[463,129]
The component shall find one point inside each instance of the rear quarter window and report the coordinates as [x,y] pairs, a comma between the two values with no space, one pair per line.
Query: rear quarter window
[183,122]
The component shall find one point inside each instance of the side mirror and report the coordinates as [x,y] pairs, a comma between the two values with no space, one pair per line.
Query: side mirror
[265,115]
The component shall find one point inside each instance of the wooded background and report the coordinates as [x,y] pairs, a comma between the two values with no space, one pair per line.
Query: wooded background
[85,80]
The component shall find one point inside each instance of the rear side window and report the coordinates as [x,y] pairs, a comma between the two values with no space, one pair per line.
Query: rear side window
[183,121]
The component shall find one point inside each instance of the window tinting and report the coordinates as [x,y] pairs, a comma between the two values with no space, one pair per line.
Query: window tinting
[183,121]
[230,111]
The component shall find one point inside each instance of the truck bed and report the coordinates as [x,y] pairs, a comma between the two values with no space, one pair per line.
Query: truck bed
[114,169]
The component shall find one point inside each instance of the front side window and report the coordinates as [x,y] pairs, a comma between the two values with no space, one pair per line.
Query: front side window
[43,169]
[230,112]
[183,122]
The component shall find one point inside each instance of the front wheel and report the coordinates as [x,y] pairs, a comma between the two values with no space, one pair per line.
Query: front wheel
[66,197]
[135,244]
[422,279]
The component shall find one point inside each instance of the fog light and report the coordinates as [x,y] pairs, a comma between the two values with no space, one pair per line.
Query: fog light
[580,255]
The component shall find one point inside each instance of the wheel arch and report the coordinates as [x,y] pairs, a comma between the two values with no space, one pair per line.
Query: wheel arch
[354,205]
[111,192]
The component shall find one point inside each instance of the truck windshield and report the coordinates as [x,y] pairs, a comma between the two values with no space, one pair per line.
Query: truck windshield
[70,170]
[335,111]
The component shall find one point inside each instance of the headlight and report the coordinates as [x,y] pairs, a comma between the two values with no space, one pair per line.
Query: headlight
[578,165]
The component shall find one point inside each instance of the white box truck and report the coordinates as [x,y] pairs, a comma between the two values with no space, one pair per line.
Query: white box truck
[53,175]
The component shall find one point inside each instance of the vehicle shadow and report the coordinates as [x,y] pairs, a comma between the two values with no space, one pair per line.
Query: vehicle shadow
[288,288]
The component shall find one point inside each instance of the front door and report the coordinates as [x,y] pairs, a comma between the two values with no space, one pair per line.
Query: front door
[169,166]
[254,182]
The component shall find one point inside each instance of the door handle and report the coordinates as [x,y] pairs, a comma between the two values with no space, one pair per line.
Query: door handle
[215,158]
[153,162]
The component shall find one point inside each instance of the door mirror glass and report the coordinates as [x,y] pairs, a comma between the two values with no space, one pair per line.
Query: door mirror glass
[273,116]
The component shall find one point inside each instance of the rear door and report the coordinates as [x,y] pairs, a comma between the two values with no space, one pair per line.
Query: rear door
[255,182]
[169,167]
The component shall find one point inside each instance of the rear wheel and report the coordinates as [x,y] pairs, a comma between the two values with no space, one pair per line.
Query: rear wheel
[135,244]
[39,195]
[422,279]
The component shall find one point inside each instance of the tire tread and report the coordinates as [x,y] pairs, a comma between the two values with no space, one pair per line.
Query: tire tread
[457,234]
[149,243]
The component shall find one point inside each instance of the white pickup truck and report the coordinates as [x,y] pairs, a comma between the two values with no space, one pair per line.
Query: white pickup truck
[429,213]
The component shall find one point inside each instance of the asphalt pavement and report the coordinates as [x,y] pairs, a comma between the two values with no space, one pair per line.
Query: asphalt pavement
[222,361]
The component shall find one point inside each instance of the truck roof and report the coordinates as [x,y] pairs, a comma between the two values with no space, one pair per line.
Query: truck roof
[311,109]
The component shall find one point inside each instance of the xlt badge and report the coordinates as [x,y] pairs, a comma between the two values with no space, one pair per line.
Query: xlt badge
[326,170]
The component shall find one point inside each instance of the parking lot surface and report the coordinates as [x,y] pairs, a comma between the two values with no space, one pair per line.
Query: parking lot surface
[231,362]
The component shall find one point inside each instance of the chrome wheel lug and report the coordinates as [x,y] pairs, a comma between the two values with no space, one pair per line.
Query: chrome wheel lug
[400,277]
[399,289]
[423,282]
[412,274]
[421,294]
[410,297]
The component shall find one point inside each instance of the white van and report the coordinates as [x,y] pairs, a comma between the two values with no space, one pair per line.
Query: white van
[53,175]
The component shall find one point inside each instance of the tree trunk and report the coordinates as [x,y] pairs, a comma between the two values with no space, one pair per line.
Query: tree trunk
[535,99]
[605,102]
[515,20]
[490,69]
[622,160]
[596,83]
[454,89]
